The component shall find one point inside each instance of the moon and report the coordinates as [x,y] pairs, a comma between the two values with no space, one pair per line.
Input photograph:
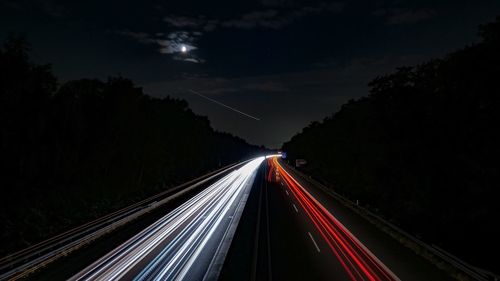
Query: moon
[183,49]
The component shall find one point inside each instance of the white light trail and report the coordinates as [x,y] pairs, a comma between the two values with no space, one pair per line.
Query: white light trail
[169,248]
[273,155]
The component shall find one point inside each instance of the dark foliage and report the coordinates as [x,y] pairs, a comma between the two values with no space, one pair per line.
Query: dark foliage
[422,148]
[74,152]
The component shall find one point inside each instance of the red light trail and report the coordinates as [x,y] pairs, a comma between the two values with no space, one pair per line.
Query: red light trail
[358,262]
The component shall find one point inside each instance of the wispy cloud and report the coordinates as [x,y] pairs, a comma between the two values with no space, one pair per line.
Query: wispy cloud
[396,16]
[141,37]
[271,18]
[199,22]
[176,40]
[264,18]
[181,21]
[172,43]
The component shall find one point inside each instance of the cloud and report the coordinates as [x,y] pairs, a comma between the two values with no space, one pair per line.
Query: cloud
[171,44]
[265,18]
[141,37]
[271,18]
[190,59]
[172,47]
[180,21]
[398,16]
[210,25]
[200,23]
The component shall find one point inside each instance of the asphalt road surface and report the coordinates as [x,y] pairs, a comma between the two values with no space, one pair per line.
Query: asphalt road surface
[262,221]
[291,230]
[189,243]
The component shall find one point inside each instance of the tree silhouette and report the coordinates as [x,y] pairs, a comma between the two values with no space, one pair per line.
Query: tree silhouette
[422,148]
[76,151]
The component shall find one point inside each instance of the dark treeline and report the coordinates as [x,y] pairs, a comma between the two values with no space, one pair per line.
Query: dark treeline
[423,148]
[75,151]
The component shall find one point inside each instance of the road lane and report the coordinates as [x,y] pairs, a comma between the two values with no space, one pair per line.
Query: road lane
[182,244]
[357,260]
[45,259]
[303,241]
[280,249]
[369,245]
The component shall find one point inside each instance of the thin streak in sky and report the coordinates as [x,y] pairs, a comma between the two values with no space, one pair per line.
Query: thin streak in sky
[221,104]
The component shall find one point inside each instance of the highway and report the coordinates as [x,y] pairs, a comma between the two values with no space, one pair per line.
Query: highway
[188,243]
[257,220]
[292,231]
[60,256]
[358,262]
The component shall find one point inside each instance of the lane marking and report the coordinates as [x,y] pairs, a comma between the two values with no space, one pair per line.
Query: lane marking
[282,184]
[253,274]
[296,210]
[287,192]
[269,270]
[314,242]
[371,258]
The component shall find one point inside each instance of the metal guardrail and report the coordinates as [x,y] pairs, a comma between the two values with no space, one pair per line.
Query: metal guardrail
[471,271]
[28,260]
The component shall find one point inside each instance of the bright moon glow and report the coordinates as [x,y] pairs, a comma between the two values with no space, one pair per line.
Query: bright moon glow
[183,49]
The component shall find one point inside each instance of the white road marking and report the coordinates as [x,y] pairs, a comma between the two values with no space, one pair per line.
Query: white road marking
[314,242]
[296,210]
[287,192]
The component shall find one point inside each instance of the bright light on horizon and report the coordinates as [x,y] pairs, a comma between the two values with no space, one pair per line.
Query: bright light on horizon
[273,155]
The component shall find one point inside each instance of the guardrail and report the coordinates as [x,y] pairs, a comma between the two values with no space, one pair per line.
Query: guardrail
[28,260]
[462,266]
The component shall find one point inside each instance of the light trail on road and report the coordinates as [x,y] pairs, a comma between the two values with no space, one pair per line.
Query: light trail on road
[183,244]
[20,264]
[358,262]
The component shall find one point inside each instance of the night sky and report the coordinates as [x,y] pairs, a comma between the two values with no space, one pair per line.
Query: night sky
[285,62]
